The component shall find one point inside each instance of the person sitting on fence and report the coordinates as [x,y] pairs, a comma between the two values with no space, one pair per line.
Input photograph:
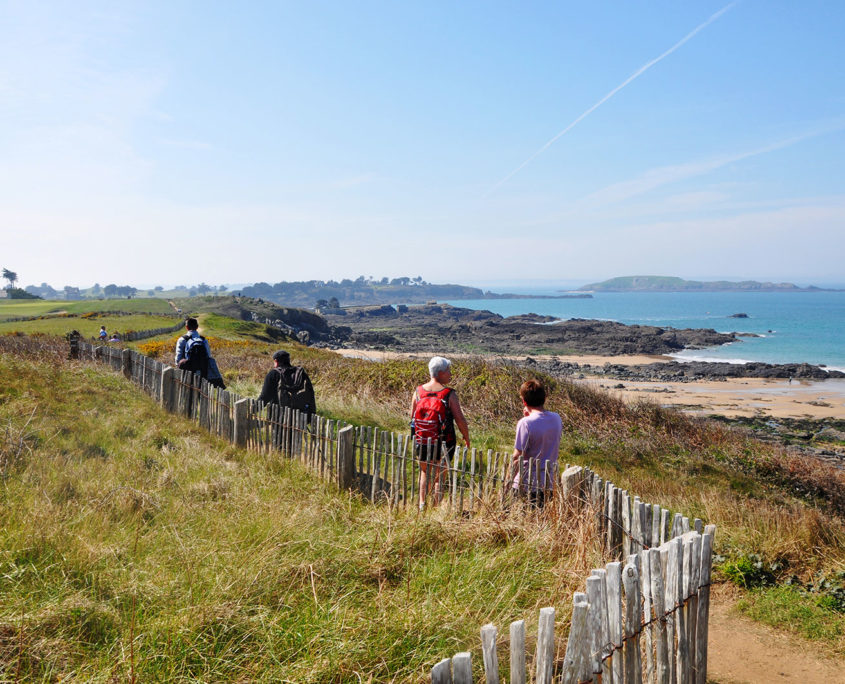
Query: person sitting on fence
[103,335]
[536,445]
[193,353]
[435,410]
[288,386]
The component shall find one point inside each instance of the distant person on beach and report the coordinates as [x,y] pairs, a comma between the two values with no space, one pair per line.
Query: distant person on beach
[288,386]
[103,335]
[193,353]
[435,410]
[536,446]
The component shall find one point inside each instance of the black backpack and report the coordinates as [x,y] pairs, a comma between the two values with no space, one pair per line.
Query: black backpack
[196,355]
[292,390]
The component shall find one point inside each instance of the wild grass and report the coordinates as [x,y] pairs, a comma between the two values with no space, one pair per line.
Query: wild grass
[134,544]
[765,500]
[800,613]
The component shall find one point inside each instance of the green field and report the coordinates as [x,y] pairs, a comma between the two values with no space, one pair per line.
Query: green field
[17,308]
[89,327]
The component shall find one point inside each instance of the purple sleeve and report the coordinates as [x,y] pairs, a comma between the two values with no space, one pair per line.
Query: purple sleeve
[521,440]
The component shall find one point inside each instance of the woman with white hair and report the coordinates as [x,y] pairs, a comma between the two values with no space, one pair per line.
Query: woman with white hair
[435,410]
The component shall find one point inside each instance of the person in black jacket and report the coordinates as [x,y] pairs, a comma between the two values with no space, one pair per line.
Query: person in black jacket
[297,391]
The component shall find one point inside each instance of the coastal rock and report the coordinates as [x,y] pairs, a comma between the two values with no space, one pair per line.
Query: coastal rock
[445,328]
[738,315]
[686,372]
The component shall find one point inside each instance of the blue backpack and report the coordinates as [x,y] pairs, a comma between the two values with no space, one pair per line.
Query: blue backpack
[196,355]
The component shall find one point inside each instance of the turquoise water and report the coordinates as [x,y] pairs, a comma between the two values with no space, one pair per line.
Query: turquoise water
[794,327]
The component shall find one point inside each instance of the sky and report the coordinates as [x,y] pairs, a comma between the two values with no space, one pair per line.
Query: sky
[178,142]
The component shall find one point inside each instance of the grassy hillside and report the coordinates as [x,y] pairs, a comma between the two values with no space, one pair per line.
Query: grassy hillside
[135,545]
[271,563]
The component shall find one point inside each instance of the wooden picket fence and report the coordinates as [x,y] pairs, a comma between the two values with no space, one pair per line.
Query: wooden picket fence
[644,622]
[667,558]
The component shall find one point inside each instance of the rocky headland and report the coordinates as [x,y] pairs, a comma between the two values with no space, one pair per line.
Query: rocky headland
[449,329]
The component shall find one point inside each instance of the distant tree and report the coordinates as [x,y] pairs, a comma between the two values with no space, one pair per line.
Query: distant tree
[384,281]
[222,288]
[18,293]
[151,293]
[11,276]
[96,289]
[158,288]
[203,288]
[321,304]
[110,290]
[333,303]
[192,292]
[418,279]
[360,280]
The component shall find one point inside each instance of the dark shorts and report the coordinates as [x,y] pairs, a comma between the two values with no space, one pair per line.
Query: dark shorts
[421,451]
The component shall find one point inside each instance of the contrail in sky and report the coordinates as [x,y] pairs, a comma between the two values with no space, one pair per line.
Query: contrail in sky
[639,72]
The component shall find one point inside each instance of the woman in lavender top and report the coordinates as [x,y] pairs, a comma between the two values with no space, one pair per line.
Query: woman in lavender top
[536,445]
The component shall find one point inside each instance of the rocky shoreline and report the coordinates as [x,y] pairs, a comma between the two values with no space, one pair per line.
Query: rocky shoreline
[448,329]
[675,371]
[445,329]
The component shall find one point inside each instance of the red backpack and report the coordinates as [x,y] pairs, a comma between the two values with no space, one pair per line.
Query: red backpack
[431,415]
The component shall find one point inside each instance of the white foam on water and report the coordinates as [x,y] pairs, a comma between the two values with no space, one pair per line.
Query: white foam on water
[689,357]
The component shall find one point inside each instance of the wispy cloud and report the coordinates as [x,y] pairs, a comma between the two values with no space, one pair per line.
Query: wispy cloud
[639,72]
[665,175]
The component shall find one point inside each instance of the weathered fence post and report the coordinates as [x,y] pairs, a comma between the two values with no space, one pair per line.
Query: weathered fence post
[442,672]
[488,652]
[241,422]
[345,457]
[577,664]
[73,338]
[704,604]
[518,652]
[462,668]
[545,646]
[168,374]
[126,363]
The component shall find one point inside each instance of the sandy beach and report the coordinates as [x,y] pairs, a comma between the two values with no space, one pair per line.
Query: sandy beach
[734,397]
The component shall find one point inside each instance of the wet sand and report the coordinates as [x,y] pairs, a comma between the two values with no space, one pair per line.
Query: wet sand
[775,398]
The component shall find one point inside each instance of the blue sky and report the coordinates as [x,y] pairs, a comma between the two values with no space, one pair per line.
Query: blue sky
[165,142]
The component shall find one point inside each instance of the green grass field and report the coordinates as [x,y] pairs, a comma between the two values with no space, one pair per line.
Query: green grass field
[89,327]
[17,308]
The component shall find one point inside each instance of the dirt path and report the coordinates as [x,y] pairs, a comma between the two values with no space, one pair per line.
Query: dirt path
[746,652]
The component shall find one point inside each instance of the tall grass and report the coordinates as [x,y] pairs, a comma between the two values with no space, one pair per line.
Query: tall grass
[763,499]
[134,543]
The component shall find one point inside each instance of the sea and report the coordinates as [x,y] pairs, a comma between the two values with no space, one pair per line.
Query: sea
[790,327]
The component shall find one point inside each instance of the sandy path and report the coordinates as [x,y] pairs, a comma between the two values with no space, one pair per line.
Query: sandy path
[747,652]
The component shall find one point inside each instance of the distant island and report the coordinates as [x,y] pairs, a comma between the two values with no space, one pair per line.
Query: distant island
[652,283]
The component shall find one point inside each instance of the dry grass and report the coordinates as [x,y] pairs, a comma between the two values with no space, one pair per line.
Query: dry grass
[272,564]
[133,542]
